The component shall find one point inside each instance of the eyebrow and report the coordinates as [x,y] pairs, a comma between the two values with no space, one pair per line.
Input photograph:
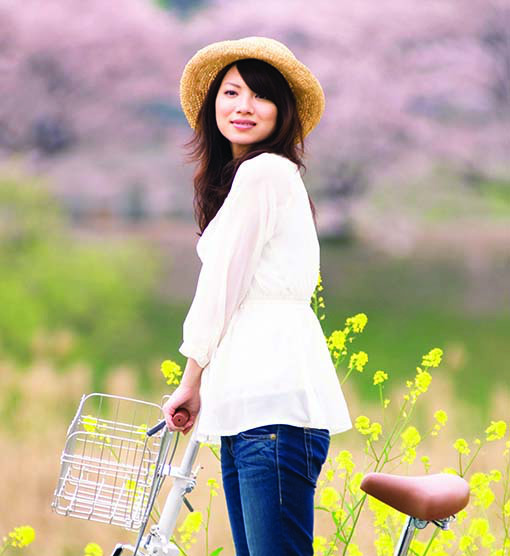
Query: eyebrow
[234,84]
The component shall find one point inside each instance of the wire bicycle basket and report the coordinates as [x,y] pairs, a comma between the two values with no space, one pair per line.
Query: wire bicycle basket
[109,465]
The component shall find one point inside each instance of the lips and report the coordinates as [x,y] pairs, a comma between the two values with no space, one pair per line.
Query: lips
[243,122]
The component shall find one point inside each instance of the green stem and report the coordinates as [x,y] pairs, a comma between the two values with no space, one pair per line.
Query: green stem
[433,536]
[472,459]
[506,496]
[178,546]
[346,376]
[339,525]
[207,523]
[355,522]
[376,457]
[388,444]
[214,451]
[383,409]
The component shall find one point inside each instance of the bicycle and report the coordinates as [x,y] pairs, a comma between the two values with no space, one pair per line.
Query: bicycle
[112,470]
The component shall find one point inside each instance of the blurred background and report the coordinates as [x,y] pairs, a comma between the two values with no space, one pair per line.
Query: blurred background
[409,169]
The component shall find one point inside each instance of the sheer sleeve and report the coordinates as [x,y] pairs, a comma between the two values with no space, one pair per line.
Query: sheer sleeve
[244,224]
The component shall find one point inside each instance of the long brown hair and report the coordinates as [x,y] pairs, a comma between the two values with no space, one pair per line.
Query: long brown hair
[216,167]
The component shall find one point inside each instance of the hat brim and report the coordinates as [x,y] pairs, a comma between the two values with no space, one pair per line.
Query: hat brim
[204,66]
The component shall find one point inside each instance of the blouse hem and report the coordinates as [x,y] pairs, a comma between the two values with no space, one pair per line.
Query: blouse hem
[215,438]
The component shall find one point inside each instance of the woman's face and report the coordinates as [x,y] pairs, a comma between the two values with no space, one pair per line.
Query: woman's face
[236,102]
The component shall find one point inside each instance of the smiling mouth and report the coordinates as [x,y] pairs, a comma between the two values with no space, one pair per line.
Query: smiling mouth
[243,125]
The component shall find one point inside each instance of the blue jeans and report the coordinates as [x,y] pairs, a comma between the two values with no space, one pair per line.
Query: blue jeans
[269,477]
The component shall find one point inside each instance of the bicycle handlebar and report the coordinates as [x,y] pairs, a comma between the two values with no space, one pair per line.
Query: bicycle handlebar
[180,418]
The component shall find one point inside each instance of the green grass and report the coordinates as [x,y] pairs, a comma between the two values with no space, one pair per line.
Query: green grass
[412,306]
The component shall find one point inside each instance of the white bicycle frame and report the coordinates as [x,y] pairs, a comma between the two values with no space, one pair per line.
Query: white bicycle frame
[157,542]
[112,471]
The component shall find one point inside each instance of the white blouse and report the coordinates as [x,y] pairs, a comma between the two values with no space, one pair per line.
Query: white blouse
[251,325]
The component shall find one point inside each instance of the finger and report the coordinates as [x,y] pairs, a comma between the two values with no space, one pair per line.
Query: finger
[187,428]
[170,425]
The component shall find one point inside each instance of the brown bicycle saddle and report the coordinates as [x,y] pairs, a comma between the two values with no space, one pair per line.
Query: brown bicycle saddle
[426,497]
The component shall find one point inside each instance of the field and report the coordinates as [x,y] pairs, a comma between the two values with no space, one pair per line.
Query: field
[447,289]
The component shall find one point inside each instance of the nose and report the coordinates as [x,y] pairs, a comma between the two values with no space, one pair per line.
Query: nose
[245,104]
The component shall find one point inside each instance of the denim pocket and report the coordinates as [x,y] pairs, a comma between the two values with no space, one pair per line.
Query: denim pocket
[255,451]
[265,432]
[317,447]
[324,433]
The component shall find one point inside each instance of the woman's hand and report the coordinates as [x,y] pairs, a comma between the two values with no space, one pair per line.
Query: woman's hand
[188,397]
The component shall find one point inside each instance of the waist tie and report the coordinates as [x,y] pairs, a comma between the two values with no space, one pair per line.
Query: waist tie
[269,300]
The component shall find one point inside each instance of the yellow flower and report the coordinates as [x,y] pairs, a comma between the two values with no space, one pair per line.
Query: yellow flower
[353,550]
[461,516]
[384,544]
[93,549]
[382,512]
[337,340]
[461,446]
[130,484]
[329,497]
[89,423]
[465,542]
[375,431]
[92,426]
[358,361]
[319,545]
[441,417]
[319,282]
[496,430]
[409,455]
[479,485]
[380,377]
[362,424]
[423,380]
[213,486]
[506,509]
[191,524]
[340,514]
[426,462]
[450,470]
[357,322]
[213,483]
[21,536]
[344,460]
[142,431]
[479,527]
[495,475]
[418,547]
[171,371]
[410,439]
[432,358]
[366,428]
[356,482]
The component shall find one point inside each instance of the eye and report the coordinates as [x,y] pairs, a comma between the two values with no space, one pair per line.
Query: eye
[229,91]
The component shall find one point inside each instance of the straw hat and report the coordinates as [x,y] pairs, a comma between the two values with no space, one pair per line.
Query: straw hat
[205,65]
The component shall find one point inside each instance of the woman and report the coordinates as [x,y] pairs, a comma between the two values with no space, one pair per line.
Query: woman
[258,368]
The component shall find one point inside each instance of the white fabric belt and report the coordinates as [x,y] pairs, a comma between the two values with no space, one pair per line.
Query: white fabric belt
[275,300]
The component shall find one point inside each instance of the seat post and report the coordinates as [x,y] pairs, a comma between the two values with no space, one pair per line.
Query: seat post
[407,534]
